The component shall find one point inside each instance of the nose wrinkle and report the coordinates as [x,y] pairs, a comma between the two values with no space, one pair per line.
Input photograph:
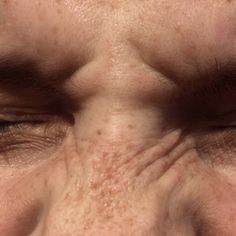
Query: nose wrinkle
[122,79]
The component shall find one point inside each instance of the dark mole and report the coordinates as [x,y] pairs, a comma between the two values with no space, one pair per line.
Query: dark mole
[99,132]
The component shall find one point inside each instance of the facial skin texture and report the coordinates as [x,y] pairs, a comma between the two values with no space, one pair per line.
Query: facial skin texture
[117,118]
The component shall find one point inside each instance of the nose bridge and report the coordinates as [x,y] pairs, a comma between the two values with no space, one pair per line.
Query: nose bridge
[122,91]
[119,118]
[119,73]
[126,74]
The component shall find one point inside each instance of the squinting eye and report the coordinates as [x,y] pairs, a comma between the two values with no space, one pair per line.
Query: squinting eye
[8,126]
[25,139]
[220,120]
[215,141]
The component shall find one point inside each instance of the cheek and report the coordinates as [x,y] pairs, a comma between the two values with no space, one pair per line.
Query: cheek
[19,207]
[25,195]
[218,213]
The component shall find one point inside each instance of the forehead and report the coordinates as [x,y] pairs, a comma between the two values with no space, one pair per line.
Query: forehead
[164,30]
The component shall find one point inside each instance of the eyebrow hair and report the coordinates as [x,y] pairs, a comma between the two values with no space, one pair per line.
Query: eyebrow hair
[23,73]
[18,71]
[21,70]
[220,77]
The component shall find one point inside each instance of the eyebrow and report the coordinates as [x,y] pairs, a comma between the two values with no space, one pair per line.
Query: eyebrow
[18,71]
[220,77]
[24,71]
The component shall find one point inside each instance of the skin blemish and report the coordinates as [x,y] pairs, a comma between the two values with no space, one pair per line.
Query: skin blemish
[46,183]
[55,29]
[131,126]
[59,11]
[130,147]
[99,132]
[66,196]
[178,29]
[5,2]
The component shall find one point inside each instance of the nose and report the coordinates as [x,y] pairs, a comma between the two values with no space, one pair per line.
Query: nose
[116,92]
[119,120]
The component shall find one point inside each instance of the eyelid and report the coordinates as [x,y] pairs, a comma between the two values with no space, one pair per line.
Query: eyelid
[222,114]
[24,118]
[14,114]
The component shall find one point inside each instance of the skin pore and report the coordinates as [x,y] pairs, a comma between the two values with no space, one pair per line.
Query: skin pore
[117,118]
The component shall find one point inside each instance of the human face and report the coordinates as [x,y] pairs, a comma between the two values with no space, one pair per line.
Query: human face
[117,117]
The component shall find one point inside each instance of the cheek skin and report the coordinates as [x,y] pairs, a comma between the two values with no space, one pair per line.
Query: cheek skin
[19,206]
[215,198]
[25,196]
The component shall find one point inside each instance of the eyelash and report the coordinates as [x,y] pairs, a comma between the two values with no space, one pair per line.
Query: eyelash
[10,126]
[6,126]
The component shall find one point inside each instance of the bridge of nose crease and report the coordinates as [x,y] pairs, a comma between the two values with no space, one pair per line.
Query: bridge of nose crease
[119,78]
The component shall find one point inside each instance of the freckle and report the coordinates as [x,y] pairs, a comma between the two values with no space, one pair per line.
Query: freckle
[55,43]
[40,16]
[131,126]
[46,182]
[37,174]
[130,147]
[38,3]
[178,29]
[67,196]
[5,2]
[232,218]
[55,29]
[99,132]
[59,11]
